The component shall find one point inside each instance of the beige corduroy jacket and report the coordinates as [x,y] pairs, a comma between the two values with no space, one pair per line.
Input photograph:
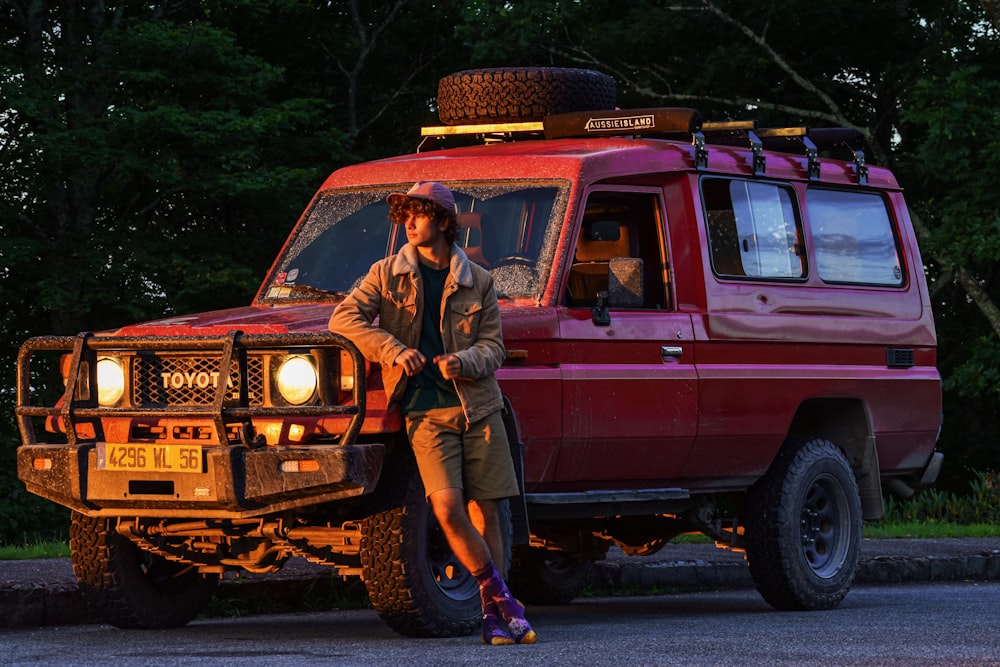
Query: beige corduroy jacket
[470,325]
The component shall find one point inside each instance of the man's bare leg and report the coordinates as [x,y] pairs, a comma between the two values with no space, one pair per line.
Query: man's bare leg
[474,553]
[485,517]
[463,537]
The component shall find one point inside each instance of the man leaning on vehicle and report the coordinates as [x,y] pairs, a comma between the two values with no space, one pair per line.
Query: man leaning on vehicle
[439,343]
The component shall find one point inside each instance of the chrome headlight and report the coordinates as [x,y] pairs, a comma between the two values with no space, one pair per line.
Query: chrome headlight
[297,379]
[110,381]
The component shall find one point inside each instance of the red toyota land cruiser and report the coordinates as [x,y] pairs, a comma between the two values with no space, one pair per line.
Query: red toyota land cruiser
[710,327]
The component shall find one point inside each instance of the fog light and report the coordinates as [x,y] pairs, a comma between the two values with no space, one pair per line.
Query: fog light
[272,432]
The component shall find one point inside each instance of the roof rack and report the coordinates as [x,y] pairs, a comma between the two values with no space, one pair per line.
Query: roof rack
[617,122]
[488,132]
[792,140]
[671,122]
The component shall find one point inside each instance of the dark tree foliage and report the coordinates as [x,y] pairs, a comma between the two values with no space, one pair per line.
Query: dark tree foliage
[149,165]
[145,157]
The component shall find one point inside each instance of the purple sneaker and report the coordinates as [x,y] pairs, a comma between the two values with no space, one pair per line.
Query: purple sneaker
[497,598]
[513,614]
[494,631]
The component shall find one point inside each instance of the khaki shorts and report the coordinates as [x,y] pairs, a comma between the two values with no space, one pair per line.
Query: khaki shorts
[454,454]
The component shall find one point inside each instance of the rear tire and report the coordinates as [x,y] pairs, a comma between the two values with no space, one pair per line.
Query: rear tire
[510,94]
[546,577]
[131,588]
[803,528]
[414,580]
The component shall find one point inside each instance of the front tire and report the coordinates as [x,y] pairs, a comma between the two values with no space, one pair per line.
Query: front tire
[131,588]
[803,528]
[414,580]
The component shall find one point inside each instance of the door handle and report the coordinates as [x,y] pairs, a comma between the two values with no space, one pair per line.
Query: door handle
[671,351]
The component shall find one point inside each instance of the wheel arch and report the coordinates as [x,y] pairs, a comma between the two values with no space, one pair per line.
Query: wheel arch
[846,422]
[398,466]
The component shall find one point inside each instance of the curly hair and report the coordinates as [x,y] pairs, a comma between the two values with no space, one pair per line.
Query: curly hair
[398,212]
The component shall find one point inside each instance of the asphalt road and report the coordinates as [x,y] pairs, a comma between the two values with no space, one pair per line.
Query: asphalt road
[945,623]
[45,592]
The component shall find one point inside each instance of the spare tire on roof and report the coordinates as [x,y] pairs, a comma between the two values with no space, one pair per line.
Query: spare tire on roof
[519,94]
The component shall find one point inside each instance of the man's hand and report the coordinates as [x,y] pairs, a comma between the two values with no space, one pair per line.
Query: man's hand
[411,360]
[449,365]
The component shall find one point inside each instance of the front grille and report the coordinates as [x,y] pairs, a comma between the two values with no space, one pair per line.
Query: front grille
[159,381]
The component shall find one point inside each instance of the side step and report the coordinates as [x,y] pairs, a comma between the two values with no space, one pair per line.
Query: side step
[606,503]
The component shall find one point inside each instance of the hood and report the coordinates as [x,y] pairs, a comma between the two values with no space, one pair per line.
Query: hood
[250,319]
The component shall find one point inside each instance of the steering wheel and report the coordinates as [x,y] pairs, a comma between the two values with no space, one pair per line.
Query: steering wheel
[514,260]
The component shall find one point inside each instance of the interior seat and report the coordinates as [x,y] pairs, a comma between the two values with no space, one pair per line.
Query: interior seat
[470,236]
[602,239]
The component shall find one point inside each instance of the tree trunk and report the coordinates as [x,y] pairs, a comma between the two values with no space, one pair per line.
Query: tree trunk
[992,8]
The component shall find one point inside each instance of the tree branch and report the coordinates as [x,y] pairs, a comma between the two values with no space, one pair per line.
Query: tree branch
[776,58]
[366,45]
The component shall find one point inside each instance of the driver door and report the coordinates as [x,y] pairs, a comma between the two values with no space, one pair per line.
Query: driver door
[630,392]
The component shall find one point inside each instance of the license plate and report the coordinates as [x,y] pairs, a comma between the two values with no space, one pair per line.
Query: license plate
[149,458]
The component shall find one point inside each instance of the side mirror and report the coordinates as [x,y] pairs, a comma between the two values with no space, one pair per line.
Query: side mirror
[599,313]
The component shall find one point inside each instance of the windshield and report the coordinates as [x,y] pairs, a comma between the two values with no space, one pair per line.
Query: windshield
[510,228]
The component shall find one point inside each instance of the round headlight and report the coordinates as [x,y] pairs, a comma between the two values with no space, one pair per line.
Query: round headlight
[110,381]
[297,380]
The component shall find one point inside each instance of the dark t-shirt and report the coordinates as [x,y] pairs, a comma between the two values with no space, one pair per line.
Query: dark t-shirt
[428,389]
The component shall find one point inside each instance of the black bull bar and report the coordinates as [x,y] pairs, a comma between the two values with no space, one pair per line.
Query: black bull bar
[240,477]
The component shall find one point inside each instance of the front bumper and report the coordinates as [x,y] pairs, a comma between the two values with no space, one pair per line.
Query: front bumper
[227,477]
[235,482]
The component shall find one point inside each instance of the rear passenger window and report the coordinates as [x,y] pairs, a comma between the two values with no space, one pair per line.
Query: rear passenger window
[753,231]
[853,238]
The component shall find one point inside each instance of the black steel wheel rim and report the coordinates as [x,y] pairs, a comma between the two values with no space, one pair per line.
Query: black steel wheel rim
[826,526]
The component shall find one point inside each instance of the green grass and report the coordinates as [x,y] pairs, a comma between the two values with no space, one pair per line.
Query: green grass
[34,550]
[692,538]
[929,529]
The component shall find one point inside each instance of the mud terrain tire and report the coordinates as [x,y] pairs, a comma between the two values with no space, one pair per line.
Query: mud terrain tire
[414,581]
[131,588]
[520,94]
[803,528]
